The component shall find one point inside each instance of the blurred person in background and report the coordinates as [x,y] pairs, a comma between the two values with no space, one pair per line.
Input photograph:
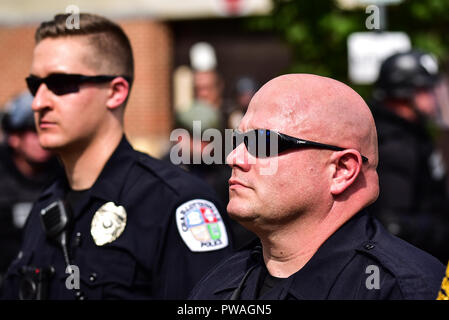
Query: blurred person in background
[245,88]
[413,202]
[208,86]
[25,168]
[215,174]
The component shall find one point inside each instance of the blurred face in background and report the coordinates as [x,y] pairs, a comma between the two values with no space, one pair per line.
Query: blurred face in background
[208,87]
[426,102]
[26,144]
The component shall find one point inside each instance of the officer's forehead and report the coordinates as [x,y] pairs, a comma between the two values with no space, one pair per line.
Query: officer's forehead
[74,54]
[280,105]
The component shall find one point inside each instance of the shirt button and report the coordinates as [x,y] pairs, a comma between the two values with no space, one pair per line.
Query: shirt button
[369,246]
[93,277]
[79,295]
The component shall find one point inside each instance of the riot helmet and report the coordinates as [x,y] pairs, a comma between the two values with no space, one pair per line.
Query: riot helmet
[18,114]
[403,73]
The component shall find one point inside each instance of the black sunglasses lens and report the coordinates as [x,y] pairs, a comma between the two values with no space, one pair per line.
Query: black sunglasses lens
[33,84]
[265,147]
[61,84]
[260,143]
[251,142]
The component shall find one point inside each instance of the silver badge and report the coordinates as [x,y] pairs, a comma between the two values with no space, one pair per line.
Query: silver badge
[108,223]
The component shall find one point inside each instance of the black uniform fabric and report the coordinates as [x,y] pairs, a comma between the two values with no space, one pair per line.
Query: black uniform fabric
[340,269]
[149,260]
[17,194]
[414,201]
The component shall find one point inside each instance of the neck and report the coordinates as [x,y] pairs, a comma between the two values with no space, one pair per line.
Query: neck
[84,163]
[286,250]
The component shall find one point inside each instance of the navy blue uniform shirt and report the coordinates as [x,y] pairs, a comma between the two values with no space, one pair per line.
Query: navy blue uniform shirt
[152,257]
[344,267]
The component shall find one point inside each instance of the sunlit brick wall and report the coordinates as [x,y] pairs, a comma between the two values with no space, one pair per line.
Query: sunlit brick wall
[16,50]
[148,114]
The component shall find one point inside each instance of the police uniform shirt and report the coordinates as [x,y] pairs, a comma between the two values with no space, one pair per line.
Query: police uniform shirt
[166,245]
[361,260]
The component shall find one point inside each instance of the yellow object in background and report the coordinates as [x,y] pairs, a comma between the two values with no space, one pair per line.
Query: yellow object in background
[443,294]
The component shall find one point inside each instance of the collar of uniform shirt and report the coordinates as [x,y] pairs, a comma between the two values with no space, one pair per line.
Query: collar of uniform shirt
[316,278]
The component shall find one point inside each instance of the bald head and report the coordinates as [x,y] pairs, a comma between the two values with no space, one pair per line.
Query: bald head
[327,111]
[320,109]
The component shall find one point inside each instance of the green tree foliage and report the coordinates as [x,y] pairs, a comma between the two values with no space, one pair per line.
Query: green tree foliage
[317,31]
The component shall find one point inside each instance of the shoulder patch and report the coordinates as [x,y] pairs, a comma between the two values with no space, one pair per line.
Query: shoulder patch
[201,226]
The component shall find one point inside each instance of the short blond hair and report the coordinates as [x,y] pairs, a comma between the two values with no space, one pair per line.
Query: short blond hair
[110,42]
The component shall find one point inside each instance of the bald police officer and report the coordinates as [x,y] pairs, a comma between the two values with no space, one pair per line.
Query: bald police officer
[306,199]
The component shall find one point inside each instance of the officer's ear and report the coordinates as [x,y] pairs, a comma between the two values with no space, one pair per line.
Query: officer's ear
[347,165]
[118,92]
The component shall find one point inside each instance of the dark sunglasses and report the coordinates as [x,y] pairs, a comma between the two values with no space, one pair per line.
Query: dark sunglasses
[63,83]
[263,143]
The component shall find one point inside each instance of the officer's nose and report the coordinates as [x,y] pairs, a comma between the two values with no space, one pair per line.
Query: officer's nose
[42,99]
[239,157]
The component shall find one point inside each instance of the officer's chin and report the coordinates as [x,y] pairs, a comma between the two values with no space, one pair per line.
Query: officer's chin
[51,143]
[238,212]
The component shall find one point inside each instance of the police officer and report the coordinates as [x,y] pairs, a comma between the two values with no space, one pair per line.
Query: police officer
[414,200]
[305,198]
[25,168]
[120,224]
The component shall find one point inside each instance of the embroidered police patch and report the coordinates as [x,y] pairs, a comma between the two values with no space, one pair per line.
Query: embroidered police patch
[201,226]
